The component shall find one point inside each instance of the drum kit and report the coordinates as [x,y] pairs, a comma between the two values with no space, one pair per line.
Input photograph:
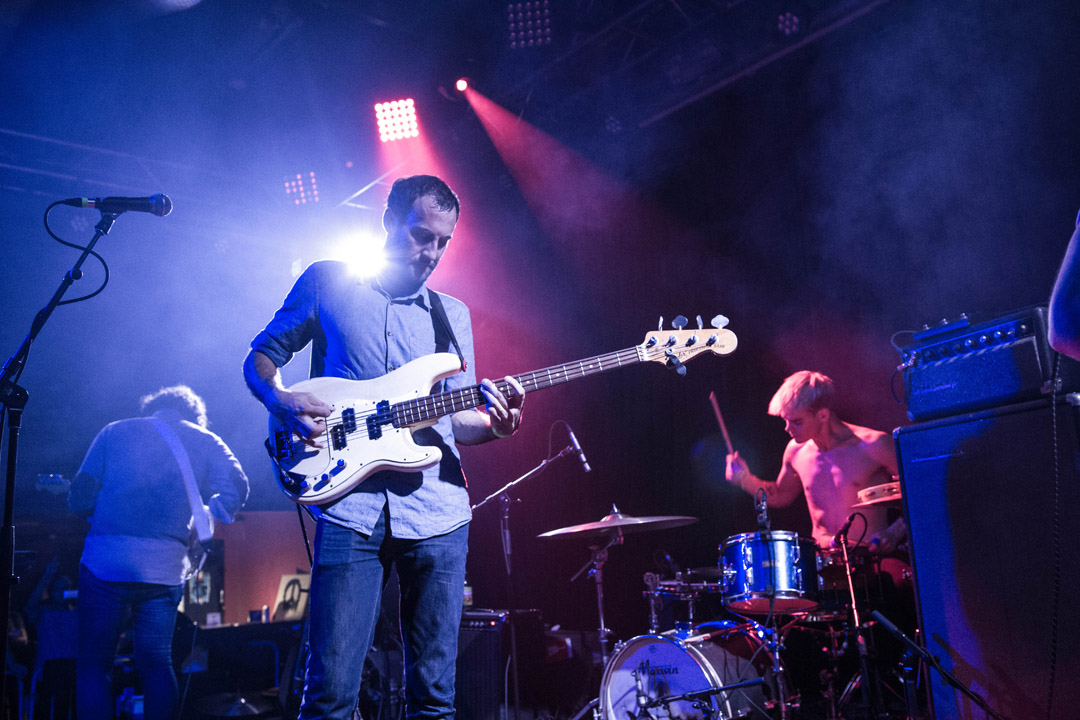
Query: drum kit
[735,663]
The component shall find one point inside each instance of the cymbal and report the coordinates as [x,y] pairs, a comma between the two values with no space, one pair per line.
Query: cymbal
[624,523]
[878,494]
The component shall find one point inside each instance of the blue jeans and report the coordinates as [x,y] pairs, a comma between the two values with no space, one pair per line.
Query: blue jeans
[346,588]
[104,608]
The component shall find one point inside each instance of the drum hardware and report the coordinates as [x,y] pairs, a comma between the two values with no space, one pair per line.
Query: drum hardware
[613,527]
[864,679]
[679,589]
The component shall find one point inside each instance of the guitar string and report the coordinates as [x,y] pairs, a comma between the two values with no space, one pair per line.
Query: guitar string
[423,407]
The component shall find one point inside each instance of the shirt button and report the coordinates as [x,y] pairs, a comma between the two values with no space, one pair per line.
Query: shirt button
[388,333]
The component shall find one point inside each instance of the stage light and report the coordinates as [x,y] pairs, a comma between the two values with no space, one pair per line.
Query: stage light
[462,85]
[301,189]
[788,23]
[397,120]
[362,252]
[529,23]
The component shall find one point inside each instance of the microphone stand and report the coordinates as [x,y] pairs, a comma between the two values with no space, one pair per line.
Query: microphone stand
[14,398]
[870,695]
[916,649]
[503,494]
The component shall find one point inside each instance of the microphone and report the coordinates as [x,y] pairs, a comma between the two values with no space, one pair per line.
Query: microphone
[641,696]
[577,447]
[159,204]
[762,507]
[844,530]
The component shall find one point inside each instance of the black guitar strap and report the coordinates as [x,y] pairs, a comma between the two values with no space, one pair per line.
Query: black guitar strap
[444,334]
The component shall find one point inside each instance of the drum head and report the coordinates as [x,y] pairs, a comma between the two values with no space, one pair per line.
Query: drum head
[668,667]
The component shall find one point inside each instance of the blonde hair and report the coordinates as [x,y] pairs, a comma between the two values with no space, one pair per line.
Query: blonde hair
[805,389]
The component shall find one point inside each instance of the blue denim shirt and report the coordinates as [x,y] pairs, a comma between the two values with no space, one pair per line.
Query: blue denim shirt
[359,332]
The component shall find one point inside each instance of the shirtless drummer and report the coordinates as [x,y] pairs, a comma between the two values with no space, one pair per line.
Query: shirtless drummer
[830,461]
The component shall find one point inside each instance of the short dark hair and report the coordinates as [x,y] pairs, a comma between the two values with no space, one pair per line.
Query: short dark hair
[407,190]
[180,398]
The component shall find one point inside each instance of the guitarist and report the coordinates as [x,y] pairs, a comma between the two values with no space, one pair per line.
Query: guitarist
[135,556]
[362,329]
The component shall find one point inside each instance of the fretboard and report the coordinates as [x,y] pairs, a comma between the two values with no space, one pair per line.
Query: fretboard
[431,407]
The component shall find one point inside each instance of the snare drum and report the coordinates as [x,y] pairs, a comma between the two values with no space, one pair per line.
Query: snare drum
[769,571]
[715,656]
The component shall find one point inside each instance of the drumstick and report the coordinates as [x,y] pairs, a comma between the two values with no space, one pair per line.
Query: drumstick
[720,419]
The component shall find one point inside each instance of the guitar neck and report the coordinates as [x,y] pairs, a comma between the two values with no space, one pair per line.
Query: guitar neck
[431,407]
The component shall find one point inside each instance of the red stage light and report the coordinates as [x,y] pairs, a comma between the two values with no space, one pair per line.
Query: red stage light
[462,85]
[397,120]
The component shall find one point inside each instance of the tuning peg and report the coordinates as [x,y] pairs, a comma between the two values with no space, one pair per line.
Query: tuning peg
[719,322]
[700,325]
[660,325]
[679,322]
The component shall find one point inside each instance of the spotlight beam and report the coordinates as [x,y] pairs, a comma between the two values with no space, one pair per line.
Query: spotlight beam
[361,191]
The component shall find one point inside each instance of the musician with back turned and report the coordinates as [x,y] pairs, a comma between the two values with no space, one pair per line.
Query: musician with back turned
[362,329]
[827,460]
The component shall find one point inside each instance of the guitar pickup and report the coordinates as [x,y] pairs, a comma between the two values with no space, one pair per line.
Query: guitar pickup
[337,437]
[348,419]
[375,422]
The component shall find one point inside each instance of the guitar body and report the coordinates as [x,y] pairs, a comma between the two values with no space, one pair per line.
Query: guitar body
[315,476]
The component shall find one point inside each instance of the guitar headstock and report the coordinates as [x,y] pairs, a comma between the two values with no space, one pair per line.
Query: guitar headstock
[674,347]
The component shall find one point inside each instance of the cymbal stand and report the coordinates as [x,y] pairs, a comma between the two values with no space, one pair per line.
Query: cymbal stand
[595,566]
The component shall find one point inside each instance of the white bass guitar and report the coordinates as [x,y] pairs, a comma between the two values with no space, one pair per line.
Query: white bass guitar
[372,423]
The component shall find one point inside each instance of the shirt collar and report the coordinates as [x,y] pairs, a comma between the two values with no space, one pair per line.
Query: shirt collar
[420,297]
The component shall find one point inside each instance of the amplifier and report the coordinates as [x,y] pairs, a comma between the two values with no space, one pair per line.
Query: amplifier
[963,366]
[483,653]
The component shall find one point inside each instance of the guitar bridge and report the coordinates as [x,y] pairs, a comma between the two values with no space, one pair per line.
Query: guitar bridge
[281,449]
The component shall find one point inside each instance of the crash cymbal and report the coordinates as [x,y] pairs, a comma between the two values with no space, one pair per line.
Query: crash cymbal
[878,494]
[623,523]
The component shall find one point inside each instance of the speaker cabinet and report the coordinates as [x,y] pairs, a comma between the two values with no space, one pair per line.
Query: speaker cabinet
[992,501]
[483,651]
